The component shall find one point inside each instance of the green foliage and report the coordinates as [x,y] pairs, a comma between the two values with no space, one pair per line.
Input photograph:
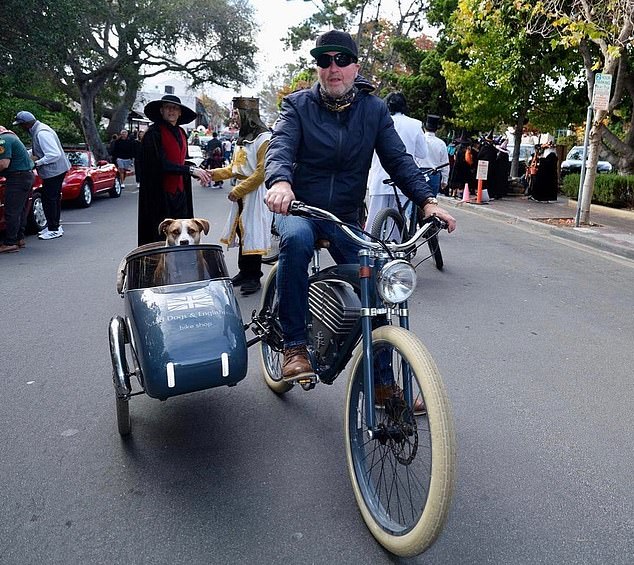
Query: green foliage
[609,189]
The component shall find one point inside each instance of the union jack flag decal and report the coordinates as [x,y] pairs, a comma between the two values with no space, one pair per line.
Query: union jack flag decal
[193,300]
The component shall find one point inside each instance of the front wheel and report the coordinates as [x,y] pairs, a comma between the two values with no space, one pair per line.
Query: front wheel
[270,347]
[116,189]
[403,471]
[387,225]
[85,195]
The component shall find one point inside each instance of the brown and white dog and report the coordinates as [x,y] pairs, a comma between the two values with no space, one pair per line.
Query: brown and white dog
[174,268]
[183,232]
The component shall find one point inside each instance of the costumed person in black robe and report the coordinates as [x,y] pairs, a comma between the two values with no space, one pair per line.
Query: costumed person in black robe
[460,173]
[546,183]
[165,190]
[488,153]
[501,169]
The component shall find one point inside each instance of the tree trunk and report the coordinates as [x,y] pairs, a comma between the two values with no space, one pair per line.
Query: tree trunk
[119,118]
[87,93]
[594,140]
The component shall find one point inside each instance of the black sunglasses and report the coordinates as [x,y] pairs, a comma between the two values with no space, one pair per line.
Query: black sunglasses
[341,60]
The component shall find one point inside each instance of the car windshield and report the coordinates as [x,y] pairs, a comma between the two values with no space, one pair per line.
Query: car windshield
[575,154]
[78,158]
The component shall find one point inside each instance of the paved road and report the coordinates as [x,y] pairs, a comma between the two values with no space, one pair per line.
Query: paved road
[533,335]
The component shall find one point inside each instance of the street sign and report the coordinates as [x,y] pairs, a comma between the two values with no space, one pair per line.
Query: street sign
[483,170]
[601,96]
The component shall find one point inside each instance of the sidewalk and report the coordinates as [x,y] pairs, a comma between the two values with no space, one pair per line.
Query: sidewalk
[612,230]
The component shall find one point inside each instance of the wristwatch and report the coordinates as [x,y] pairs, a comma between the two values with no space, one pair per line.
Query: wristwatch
[191,170]
[430,200]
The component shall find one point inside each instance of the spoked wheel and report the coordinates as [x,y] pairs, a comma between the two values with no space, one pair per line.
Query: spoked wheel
[274,252]
[387,225]
[434,247]
[270,348]
[116,189]
[403,473]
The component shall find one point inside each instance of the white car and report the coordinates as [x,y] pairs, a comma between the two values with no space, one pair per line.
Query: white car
[572,164]
[196,155]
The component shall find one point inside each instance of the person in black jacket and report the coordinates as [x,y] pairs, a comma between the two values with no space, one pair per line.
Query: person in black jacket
[320,153]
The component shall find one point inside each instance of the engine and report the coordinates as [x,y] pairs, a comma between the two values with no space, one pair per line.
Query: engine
[334,309]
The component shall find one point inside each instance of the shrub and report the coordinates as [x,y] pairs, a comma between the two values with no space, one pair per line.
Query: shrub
[609,189]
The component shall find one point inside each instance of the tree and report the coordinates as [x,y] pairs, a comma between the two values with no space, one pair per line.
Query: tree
[102,45]
[503,75]
[602,32]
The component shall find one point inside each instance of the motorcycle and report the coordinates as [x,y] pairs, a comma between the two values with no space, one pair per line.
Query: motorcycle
[400,459]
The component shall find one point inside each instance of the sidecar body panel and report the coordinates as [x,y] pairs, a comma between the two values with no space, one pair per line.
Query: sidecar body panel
[188,334]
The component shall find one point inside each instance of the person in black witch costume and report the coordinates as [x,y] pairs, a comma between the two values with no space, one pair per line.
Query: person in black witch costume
[165,190]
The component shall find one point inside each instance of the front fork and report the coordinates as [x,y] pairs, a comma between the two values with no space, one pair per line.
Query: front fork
[368,312]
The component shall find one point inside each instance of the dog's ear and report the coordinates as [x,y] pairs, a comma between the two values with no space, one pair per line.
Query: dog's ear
[204,224]
[164,225]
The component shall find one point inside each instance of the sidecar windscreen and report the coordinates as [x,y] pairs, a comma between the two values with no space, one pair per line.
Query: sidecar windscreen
[174,265]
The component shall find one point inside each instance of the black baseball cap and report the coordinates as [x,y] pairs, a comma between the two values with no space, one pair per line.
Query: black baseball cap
[335,40]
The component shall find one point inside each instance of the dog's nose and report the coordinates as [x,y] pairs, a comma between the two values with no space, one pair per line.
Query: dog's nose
[184,242]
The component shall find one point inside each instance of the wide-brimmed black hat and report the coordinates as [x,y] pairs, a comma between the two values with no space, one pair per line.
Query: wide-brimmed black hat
[335,40]
[152,109]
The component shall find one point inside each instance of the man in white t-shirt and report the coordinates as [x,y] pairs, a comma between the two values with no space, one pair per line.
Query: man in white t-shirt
[436,155]
[410,131]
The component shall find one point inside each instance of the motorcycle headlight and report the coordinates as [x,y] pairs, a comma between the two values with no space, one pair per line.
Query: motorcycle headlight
[396,281]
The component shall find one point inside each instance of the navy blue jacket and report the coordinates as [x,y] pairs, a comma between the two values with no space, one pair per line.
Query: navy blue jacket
[326,155]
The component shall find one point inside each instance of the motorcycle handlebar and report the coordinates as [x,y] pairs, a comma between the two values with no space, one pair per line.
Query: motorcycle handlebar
[298,208]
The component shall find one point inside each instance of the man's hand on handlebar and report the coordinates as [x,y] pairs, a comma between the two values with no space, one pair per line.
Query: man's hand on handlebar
[434,210]
[279,196]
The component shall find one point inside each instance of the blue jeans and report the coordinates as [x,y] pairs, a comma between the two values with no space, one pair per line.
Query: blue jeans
[434,182]
[297,244]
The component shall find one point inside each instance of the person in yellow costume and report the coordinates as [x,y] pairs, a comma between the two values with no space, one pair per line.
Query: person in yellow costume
[249,223]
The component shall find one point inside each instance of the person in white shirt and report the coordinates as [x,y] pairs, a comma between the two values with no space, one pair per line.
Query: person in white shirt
[410,130]
[436,155]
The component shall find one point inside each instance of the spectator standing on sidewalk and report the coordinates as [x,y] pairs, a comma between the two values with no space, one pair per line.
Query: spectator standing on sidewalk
[51,164]
[437,155]
[17,168]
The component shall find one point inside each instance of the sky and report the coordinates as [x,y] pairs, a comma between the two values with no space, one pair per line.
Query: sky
[274,18]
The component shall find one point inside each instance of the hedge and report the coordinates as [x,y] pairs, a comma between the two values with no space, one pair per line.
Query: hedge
[612,190]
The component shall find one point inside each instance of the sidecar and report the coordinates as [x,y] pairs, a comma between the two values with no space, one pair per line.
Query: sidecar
[182,330]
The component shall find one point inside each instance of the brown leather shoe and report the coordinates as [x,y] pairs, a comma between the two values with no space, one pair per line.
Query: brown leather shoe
[296,364]
[21,243]
[9,248]
[382,393]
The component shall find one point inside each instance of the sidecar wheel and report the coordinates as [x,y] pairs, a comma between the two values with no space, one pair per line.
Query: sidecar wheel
[123,416]
[271,358]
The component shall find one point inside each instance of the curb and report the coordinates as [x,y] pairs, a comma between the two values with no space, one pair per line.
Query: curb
[594,240]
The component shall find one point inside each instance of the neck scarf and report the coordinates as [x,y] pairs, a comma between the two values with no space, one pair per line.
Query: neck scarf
[338,104]
[175,150]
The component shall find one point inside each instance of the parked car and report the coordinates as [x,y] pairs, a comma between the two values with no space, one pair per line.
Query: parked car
[573,161]
[88,177]
[526,152]
[36,220]
[196,155]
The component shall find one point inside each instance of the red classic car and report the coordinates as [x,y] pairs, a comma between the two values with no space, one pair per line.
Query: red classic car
[36,219]
[88,177]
